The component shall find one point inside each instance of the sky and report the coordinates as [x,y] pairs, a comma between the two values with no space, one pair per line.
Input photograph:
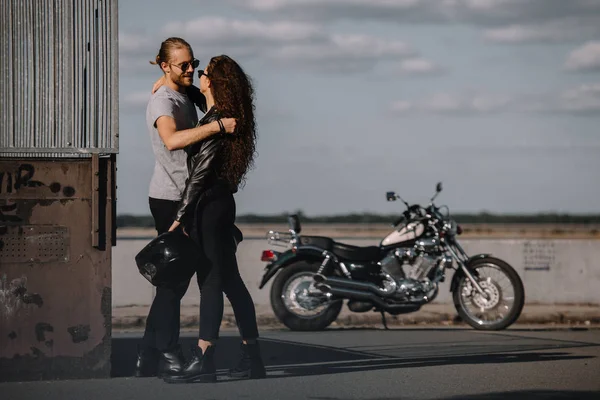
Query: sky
[497,99]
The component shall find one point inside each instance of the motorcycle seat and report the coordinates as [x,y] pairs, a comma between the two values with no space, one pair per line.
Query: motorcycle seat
[356,253]
[342,250]
[322,242]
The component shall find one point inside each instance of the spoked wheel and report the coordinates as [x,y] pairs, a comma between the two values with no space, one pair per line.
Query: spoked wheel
[504,295]
[298,304]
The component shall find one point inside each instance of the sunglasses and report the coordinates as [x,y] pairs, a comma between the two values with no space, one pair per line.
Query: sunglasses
[201,72]
[184,66]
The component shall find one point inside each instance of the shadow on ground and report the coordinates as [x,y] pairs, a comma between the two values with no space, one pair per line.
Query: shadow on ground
[288,358]
[516,395]
[275,353]
[533,395]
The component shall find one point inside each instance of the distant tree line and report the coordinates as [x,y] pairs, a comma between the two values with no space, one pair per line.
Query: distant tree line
[146,221]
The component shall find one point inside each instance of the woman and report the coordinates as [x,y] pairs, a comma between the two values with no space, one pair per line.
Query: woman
[217,166]
[171,121]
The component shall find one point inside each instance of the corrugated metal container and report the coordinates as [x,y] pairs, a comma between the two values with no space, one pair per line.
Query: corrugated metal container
[58,145]
[59,78]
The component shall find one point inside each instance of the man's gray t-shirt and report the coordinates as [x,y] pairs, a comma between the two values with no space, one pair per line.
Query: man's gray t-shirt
[170,170]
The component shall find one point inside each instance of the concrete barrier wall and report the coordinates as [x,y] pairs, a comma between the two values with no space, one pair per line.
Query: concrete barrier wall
[553,271]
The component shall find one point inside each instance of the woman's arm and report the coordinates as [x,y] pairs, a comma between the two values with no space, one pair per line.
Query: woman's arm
[159,82]
[197,182]
[196,96]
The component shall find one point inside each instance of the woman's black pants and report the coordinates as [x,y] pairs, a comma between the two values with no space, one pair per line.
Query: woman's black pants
[214,224]
[162,324]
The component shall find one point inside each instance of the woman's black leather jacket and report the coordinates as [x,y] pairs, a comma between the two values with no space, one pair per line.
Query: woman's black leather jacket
[204,161]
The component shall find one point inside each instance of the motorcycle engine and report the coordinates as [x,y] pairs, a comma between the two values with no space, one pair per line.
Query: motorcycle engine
[409,269]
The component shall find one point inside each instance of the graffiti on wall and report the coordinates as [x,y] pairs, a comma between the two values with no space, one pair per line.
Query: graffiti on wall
[538,255]
[14,296]
[12,181]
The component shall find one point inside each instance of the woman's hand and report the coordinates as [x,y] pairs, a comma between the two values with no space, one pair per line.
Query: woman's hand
[174,226]
[158,83]
[229,124]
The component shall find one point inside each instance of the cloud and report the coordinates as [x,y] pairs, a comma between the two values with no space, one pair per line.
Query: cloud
[294,44]
[503,21]
[231,30]
[473,12]
[349,53]
[584,58]
[446,103]
[514,34]
[555,31]
[418,66]
[583,100]
[135,53]
[129,42]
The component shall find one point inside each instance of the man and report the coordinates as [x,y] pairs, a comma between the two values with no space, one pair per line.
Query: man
[171,119]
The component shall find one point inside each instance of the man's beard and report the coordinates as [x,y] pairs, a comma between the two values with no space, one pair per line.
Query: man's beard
[182,81]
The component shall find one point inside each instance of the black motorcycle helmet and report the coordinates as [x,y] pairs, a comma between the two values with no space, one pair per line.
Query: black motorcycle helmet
[169,259]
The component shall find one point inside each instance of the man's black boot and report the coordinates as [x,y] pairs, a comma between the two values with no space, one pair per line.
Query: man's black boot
[201,368]
[250,364]
[172,362]
[147,362]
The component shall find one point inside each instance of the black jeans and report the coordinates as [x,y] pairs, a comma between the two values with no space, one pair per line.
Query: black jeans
[162,324]
[214,224]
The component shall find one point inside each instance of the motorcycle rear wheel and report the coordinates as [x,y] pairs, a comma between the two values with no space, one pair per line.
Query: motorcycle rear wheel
[293,303]
[506,295]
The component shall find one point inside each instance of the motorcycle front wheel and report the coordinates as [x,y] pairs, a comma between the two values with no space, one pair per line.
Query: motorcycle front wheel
[504,290]
[297,303]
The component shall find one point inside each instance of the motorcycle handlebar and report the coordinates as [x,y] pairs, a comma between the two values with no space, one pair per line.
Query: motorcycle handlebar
[398,221]
[406,215]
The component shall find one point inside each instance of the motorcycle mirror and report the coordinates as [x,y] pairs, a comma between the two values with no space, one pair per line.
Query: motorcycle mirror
[438,189]
[392,196]
[294,222]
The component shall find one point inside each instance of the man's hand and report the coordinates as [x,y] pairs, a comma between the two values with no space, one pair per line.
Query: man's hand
[160,82]
[229,124]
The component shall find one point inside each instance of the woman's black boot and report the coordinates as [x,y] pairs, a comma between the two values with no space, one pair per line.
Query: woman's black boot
[172,362]
[201,368]
[250,364]
[147,362]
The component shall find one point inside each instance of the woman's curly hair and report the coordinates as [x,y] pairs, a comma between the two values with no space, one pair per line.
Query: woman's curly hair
[234,98]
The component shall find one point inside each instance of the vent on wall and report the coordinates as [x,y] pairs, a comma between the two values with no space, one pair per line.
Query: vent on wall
[34,244]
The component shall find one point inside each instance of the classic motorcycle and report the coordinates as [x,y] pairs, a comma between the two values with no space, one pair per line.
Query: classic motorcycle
[315,274]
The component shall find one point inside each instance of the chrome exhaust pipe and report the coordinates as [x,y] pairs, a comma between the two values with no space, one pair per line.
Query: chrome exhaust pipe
[346,283]
[367,296]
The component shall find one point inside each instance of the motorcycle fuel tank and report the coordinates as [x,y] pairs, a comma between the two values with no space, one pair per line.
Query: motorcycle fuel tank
[408,232]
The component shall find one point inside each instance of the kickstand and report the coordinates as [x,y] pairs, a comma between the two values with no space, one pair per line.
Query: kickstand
[383,320]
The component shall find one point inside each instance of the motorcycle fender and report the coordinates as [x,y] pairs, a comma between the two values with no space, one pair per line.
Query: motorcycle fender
[459,273]
[287,258]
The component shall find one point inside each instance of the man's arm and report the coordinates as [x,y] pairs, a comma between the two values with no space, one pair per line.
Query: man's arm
[175,140]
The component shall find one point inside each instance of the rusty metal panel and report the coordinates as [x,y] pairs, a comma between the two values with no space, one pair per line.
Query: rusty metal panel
[35,244]
[59,80]
[55,295]
[95,199]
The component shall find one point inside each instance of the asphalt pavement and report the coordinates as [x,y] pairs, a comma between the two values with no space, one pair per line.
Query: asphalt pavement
[369,364]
